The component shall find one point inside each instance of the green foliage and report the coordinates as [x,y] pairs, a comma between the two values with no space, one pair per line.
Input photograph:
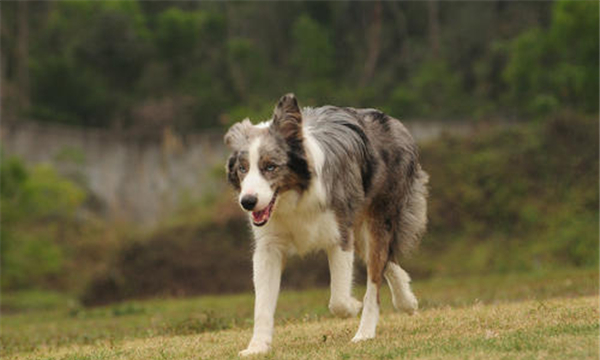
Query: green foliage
[34,206]
[176,34]
[248,67]
[189,44]
[520,199]
[133,65]
[312,58]
[557,67]
[182,37]
[257,113]
[433,91]
[34,300]
[64,96]
[103,46]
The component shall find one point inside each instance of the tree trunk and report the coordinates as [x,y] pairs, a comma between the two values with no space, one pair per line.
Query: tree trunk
[373,46]
[22,55]
[434,28]
[5,34]
[235,71]
[402,31]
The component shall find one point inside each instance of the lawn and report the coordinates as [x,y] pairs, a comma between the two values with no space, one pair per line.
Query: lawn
[549,315]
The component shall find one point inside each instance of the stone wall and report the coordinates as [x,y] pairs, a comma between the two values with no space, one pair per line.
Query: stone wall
[142,180]
[131,179]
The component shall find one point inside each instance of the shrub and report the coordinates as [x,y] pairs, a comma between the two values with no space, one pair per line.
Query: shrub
[519,199]
[191,259]
[557,67]
[36,207]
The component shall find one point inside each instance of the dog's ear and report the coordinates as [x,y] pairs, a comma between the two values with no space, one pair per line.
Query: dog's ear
[238,135]
[287,118]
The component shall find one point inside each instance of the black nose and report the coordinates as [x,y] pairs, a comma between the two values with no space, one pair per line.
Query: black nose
[249,202]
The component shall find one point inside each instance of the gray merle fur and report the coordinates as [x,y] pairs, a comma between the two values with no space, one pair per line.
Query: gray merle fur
[371,173]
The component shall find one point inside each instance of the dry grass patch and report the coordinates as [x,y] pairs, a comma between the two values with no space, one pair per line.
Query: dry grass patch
[549,329]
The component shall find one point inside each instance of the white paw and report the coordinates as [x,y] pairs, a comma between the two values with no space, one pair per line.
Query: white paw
[255,348]
[362,337]
[349,307]
[407,303]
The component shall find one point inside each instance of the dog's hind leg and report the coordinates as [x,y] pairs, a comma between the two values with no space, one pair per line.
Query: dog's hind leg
[341,263]
[377,253]
[370,313]
[410,228]
[399,283]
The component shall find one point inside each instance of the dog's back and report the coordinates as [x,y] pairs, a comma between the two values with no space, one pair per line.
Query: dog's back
[372,173]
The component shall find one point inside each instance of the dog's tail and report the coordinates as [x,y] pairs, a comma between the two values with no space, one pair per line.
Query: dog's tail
[413,216]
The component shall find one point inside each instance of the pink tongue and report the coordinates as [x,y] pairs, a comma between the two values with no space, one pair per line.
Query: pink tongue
[260,216]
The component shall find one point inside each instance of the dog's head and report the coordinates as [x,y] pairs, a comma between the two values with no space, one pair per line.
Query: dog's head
[268,159]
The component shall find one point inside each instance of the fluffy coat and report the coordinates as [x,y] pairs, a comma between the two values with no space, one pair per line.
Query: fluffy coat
[331,178]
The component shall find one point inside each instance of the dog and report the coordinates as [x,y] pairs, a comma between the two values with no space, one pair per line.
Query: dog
[330,178]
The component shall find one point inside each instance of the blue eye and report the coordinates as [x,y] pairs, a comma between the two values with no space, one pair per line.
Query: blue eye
[243,169]
[271,167]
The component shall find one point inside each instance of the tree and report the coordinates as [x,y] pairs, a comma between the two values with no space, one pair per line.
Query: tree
[556,67]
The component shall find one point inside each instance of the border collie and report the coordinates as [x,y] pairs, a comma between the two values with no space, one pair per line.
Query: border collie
[333,178]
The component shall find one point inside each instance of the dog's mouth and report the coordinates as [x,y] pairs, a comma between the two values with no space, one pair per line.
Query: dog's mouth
[260,218]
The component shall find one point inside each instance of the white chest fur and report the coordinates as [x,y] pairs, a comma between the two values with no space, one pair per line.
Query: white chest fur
[300,224]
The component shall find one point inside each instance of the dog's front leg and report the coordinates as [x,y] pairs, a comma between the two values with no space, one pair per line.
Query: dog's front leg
[268,264]
[341,265]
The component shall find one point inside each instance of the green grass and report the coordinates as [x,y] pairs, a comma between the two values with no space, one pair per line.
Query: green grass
[524,316]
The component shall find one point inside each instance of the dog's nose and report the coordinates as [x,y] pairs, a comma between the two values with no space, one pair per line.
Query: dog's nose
[249,202]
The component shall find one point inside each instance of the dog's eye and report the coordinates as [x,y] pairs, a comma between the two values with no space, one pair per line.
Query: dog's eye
[243,169]
[271,167]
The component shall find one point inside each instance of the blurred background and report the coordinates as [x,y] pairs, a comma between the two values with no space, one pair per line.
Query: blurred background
[113,113]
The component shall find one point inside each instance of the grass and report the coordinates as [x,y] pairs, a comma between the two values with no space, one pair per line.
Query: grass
[516,316]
